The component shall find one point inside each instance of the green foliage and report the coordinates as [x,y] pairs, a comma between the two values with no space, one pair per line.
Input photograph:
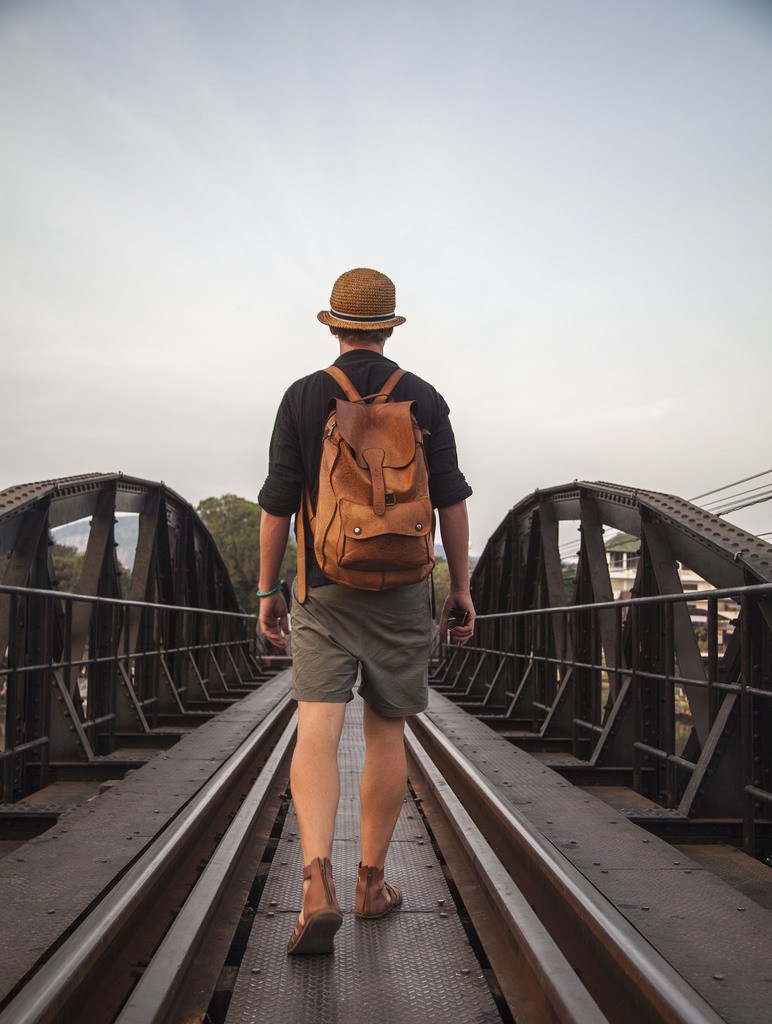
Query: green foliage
[234,523]
[569,575]
[68,563]
[441,580]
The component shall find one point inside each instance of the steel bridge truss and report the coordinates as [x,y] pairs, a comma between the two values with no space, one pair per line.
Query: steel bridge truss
[604,680]
[82,673]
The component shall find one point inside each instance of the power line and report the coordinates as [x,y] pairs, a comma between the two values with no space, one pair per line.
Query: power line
[746,504]
[727,486]
[753,491]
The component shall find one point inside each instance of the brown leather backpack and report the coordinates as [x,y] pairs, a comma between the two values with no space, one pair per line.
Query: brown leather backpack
[373,525]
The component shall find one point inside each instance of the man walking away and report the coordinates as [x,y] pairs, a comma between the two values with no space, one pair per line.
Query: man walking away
[342,628]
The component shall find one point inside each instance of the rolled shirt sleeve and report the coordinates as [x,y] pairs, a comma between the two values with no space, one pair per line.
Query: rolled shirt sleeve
[280,494]
[447,484]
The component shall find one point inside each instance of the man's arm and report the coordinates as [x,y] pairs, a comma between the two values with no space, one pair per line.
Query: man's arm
[274,531]
[454,528]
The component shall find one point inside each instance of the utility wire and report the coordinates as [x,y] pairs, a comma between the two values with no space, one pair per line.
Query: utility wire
[731,498]
[751,491]
[746,504]
[727,486]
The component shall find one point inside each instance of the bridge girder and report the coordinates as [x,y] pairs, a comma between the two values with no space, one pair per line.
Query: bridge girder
[601,675]
[84,669]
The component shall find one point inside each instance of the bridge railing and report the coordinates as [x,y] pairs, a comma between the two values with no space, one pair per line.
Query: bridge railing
[82,674]
[541,677]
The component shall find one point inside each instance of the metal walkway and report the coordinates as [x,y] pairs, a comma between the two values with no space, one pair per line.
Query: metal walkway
[414,964]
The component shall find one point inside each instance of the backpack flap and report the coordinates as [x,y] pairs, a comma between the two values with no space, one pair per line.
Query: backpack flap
[378,426]
[380,437]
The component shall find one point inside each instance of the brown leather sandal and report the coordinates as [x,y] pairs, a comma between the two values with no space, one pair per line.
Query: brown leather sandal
[321,914]
[374,897]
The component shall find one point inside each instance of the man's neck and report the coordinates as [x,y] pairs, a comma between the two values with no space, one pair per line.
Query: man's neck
[375,346]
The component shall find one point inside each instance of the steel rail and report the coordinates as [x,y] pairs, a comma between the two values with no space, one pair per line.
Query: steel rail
[650,981]
[43,999]
[153,996]
[567,1000]
[687,597]
[32,592]
[111,659]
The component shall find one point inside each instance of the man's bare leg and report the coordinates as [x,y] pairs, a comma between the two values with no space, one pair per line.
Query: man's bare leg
[314,777]
[383,784]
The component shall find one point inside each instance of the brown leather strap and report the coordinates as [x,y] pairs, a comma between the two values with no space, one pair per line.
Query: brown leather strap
[351,392]
[338,375]
[301,537]
[381,397]
[397,376]
[374,458]
[305,503]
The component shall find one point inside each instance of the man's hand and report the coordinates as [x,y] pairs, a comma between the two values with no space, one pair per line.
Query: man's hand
[274,619]
[463,602]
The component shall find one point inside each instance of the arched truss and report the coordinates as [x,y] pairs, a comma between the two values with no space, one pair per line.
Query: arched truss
[722,554]
[85,671]
[176,561]
[602,681]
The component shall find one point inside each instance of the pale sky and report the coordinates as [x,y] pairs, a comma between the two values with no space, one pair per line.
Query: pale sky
[573,197]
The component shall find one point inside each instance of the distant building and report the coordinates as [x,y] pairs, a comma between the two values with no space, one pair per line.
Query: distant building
[623,556]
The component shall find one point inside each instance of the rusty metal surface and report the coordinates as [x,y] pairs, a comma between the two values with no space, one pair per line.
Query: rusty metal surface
[745,874]
[46,885]
[413,965]
[688,914]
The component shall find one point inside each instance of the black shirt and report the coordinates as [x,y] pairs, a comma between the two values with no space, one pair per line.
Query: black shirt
[296,444]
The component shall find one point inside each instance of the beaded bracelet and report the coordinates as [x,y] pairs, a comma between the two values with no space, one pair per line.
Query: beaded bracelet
[268,593]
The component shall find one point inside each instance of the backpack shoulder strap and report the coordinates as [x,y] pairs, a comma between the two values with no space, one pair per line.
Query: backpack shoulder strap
[394,379]
[351,392]
[381,397]
[340,377]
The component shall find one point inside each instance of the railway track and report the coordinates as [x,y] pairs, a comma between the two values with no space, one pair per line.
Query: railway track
[92,973]
[559,951]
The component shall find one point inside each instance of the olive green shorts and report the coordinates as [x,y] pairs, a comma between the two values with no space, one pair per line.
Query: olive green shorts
[381,636]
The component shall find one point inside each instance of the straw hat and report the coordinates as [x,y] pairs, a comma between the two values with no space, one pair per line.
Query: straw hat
[362,300]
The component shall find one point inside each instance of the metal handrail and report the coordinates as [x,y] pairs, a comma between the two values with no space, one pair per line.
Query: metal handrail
[122,602]
[133,655]
[693,596]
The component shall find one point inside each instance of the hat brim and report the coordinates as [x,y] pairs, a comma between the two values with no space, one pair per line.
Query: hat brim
[327,318]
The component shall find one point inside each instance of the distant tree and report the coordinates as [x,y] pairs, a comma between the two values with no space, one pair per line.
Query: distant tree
[124,579]
[68,564]
[441,580]
[569,576]
[234,523]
